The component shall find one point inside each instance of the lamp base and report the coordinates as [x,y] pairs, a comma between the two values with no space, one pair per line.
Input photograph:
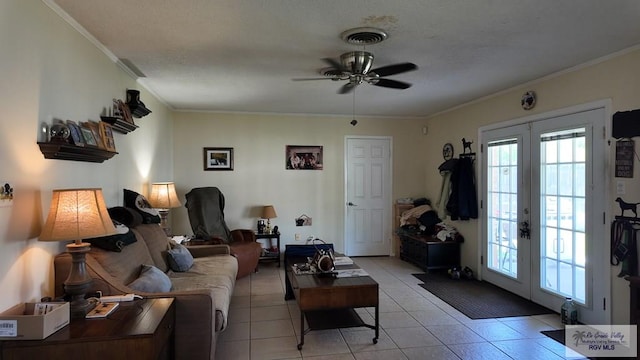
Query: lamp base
[164,224]
[79,282]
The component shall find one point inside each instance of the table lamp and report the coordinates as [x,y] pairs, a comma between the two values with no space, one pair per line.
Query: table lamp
[269,212]
[77,214]
[163,197]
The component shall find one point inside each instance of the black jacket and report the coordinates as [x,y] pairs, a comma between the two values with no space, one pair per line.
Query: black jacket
[463,201]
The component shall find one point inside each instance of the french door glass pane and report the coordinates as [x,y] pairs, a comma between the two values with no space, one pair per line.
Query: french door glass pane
[562,215]
[502,180]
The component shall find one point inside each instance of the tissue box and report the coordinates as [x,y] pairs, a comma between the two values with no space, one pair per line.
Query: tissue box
[19,323]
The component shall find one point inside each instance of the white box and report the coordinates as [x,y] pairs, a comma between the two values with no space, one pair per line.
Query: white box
[19,323]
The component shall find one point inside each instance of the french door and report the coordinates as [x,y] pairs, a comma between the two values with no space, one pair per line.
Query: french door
[543,187]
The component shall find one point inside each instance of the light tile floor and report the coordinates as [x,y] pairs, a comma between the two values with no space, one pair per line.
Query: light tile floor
[414,323]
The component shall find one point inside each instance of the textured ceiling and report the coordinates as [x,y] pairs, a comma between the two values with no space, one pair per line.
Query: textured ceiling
[240,55]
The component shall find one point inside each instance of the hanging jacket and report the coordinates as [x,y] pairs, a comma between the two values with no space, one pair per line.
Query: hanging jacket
[463,201]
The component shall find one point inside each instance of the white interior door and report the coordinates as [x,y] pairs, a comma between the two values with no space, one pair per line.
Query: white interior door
[368,196]
[548,174]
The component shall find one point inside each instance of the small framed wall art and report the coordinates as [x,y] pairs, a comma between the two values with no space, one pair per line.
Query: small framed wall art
[218,158]
[303,157]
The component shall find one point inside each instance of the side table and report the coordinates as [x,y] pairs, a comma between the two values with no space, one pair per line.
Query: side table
[272,255]
[139,329]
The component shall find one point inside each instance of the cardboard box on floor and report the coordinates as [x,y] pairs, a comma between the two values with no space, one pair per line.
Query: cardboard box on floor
[19,323]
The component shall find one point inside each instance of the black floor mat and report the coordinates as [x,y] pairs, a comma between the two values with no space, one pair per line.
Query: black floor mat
[479,299]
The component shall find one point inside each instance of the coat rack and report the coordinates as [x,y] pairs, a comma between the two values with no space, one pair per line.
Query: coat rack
[466,145]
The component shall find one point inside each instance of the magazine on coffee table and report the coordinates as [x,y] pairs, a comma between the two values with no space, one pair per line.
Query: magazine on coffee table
[351,273]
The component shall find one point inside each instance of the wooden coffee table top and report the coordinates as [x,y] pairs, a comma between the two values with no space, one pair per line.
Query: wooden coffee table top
[313,292]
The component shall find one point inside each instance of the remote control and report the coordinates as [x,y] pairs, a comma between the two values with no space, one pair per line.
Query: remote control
[117,298]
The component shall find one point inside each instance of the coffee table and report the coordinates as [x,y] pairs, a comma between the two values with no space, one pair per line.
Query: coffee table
[329,303]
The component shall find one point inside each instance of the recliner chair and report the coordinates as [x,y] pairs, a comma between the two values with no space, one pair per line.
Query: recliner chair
[205,207]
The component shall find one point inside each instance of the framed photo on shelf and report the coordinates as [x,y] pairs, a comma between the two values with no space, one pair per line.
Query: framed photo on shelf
[218,158]
[76,133]
[122,111]
[107,136]
[95,130]
[303,157]
[87,134]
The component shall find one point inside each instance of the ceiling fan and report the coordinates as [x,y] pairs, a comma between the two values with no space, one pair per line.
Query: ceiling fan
[355,67]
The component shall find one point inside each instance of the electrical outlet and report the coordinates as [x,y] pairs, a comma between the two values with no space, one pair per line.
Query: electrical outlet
[297,237]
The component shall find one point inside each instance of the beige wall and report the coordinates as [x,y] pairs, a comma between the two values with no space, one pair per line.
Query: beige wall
[48,71]
[259,176]
[617,79]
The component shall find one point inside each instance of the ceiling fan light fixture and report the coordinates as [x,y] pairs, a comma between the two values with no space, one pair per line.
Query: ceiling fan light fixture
[358,62]
[363,36]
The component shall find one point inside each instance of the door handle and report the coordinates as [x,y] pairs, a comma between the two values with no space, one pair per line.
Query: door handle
[525,231]
[351,204]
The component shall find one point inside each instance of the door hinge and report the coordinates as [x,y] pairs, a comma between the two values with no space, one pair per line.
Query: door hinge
[482,148]
[481,202]
[604,217]
[604,132]
[604,304]
[481,260]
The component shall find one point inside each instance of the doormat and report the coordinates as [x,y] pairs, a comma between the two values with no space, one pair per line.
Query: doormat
[478,299]
[557,335]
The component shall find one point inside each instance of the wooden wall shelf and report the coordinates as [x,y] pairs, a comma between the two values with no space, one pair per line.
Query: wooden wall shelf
[119,125]
[63,151]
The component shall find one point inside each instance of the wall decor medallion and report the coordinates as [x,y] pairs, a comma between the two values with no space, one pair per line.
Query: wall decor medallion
[218,158]
[528,100]
[447,151]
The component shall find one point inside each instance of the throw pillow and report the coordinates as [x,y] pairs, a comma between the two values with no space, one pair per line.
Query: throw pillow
[138,202]
[126,216]
[123,237]
[180,259]
[151,280]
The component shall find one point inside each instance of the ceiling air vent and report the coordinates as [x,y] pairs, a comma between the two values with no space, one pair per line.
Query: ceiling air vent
[364,36]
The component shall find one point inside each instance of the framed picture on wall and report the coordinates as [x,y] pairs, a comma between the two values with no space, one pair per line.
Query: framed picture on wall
[303,157]
[218,158]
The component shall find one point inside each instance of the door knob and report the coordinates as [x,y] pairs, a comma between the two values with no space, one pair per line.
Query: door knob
[351,204]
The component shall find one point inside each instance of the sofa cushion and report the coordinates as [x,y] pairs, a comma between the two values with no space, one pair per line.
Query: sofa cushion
[151,280]
[138,202]
[213,272]
[124,265]
[157,243]
[179,258]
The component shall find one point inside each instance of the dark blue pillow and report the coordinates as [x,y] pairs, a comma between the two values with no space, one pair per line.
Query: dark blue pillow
[179,258]
[151,280]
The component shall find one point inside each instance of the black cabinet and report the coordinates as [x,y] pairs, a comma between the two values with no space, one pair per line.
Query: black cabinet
[428,252]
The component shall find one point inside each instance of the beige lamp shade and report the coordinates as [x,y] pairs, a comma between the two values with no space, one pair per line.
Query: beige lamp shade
[269,212]
[163,196]
[77,214]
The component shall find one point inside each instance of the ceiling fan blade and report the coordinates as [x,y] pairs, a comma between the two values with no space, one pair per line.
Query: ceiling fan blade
[394,84]
[318,78]
[347,88]
[335,64]
[395,69]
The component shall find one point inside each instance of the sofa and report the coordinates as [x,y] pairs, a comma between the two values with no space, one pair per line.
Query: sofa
[202,293]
